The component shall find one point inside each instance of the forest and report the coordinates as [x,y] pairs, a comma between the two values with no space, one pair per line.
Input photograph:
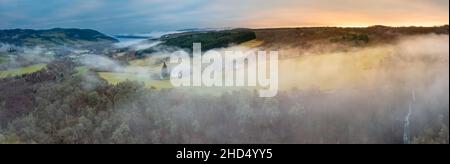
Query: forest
[59,105]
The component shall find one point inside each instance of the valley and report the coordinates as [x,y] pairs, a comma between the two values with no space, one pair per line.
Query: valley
[336,85]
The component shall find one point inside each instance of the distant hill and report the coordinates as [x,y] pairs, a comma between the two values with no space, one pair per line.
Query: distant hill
[309,36]
[208,39]
[54,37]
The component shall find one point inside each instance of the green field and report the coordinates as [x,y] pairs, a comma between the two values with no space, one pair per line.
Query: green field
[3,59]
[115,78]
[22,70]
[140,70]
[81,70]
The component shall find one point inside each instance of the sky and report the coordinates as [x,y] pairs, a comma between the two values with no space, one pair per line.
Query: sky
[140,16]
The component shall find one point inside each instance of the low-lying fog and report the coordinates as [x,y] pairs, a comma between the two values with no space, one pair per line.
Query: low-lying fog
[411,62]
[391,93]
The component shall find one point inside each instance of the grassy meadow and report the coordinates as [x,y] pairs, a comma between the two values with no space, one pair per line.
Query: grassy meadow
[22,70]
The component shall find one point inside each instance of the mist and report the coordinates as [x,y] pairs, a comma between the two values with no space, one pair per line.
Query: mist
[100,63]
[22,56]
[361,95]
[357,95]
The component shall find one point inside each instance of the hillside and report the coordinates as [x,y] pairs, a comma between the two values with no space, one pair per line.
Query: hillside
[337,38]
[53,37]
[309,36]
[208,39]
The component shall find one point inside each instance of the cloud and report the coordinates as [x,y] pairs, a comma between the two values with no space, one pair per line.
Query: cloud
[154,15]
[100,63]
